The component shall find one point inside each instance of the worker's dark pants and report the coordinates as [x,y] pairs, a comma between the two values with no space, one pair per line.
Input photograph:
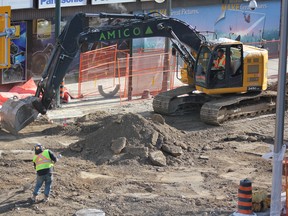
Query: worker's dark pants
[48,178]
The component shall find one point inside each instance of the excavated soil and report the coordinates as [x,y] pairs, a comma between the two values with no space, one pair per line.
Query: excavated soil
[131,161]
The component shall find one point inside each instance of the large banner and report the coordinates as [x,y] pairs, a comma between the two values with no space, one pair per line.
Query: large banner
[231,20]
[248,25]
[227,20]
[18,56]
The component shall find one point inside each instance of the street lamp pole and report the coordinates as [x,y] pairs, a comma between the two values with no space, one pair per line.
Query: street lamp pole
[279,149]
[57,33]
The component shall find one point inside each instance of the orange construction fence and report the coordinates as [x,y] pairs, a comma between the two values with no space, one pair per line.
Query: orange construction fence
[97,69]
[108,72]
[146,72]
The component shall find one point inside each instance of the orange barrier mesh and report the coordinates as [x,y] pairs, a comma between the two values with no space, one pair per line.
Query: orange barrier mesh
[128,77]
[97,70]
[146,71]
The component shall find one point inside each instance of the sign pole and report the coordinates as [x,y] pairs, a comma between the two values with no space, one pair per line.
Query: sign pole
[279,149]
[57,33]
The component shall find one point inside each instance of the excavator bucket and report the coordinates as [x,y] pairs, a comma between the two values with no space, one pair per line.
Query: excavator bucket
[17,114]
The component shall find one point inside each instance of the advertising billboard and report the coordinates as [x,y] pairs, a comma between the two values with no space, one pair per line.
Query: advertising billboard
[18,56]
[259,27]
[5,14]
[231,20]
[246,24]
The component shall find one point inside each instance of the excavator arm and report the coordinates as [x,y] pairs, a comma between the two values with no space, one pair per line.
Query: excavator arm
[18,114]
[76,33]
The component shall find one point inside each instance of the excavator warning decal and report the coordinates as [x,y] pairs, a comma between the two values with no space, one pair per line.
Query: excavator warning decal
[148,31]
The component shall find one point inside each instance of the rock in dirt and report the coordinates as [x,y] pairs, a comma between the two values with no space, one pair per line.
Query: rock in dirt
[182,145]
[141,152]
[87,212]
[76,147]
[154,137]
[157,158]
[118,145]
[160,141]
[172,150]
[157,118]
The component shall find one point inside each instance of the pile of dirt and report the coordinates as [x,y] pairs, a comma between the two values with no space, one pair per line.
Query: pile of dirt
[127,138]
[80,127]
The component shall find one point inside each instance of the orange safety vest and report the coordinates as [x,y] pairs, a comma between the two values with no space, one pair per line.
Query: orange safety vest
[43,160]
[220,62]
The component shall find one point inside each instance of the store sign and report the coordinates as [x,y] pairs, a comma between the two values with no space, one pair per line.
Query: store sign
[97,2]
[64,3]
[17,4]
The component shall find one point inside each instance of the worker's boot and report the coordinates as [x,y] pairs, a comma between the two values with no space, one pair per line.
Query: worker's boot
[34,198]
[46,199]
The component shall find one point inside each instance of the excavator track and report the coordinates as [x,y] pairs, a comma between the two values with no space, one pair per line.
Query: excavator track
[227,108]
[215,110]
[178,101]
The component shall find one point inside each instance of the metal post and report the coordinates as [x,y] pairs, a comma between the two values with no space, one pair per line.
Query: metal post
[130,84]
[280,114]
[167,49]
[6,39]
[57,33]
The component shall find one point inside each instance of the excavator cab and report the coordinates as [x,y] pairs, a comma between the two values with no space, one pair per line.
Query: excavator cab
[216,75]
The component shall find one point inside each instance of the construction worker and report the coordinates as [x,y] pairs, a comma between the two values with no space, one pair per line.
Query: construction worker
[220,62]
[43,160]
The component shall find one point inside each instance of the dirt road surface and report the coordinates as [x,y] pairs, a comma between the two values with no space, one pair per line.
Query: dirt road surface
[129,161]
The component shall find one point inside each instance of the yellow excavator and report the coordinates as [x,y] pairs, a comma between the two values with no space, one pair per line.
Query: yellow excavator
[236,89]
[222,93]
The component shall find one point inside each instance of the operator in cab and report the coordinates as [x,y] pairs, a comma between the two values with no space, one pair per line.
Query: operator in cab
[220,62]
